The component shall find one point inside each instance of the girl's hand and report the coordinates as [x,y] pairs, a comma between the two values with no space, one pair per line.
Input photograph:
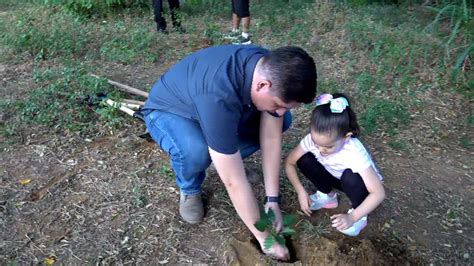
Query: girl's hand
[305,202]
[342,221]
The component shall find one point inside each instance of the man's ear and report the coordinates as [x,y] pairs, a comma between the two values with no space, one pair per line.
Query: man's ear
[264,85]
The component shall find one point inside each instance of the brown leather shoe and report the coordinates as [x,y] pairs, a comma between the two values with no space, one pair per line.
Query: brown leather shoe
[191,208]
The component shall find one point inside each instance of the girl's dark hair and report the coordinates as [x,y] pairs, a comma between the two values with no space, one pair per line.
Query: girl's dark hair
[324,121]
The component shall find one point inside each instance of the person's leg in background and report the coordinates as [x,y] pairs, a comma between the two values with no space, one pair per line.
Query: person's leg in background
[174,8]
[240,13]
[235,32]
[235,22]
[159,19]
[243,12]
[184,142]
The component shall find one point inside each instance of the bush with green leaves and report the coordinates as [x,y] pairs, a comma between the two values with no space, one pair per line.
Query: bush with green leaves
[267,219]
[96,7]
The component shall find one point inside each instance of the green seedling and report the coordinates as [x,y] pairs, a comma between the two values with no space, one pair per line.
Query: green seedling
[267,219]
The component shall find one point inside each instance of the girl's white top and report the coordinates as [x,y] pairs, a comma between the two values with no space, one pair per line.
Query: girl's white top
[352,155]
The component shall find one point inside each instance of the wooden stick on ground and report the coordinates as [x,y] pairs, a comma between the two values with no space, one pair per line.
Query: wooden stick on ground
[125,88]
[39,194]
[133,102]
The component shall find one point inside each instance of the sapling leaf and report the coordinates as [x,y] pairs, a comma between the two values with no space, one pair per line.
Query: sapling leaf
[262,224]
[267,219]
[269,242]
[289,220]
[287,231]
[263,214]
[271,216]
[280,239]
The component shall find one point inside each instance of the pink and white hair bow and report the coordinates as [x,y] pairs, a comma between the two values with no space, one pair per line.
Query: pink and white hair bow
[337,105]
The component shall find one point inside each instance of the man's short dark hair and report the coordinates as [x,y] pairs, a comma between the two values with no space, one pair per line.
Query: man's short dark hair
[293,72]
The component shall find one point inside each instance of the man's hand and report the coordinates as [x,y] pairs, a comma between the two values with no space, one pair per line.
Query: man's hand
[305,202]
[278,217]
[342,221]
[277,251]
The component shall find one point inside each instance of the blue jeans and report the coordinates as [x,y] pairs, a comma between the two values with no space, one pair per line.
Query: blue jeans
[184,142]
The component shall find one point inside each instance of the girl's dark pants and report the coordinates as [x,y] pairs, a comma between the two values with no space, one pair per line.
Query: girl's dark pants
[350,183]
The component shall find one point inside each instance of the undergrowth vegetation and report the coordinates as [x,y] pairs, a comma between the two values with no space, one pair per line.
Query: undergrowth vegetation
[390,55]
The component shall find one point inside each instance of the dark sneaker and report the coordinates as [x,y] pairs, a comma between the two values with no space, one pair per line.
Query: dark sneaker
[242,40]
[191,208]
[161,29]
[232,35]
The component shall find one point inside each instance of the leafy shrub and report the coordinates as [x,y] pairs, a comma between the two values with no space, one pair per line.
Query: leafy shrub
[97,7]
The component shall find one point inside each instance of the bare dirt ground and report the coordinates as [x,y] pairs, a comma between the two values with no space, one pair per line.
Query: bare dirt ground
[115,201]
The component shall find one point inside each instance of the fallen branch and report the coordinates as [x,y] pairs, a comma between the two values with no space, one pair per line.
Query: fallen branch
[39,194]
[124,87]
[133,102]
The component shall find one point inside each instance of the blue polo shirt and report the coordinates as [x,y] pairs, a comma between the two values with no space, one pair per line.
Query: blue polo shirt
[211,87]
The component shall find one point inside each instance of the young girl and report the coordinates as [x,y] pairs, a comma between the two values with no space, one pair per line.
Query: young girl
[332,157]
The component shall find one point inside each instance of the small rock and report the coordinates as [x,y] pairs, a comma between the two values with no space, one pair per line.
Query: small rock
[465,256]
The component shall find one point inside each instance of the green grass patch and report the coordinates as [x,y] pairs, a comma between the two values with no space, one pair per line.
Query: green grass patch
[53,33]
[383,115]
[314,231]
[44,33]
[58,102]
[125,44]
[388,57]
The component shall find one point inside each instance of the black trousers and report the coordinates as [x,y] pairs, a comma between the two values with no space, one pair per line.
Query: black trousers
[350,183]
[241,8]
[158,10]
